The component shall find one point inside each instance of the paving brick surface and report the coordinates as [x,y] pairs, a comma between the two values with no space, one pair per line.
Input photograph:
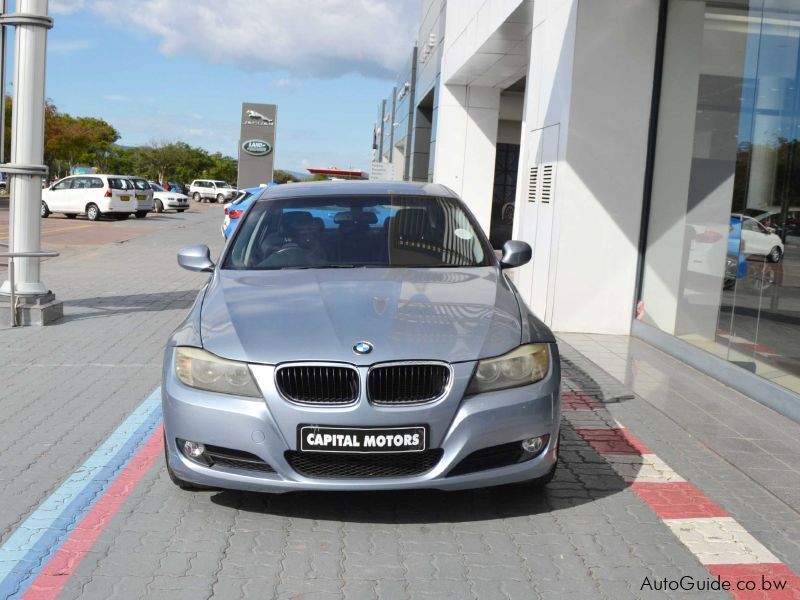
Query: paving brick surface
[590,534]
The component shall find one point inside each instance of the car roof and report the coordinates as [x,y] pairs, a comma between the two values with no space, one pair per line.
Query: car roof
[357,188]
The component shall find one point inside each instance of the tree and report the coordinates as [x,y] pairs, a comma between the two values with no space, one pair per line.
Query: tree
[69,140]
[279,176]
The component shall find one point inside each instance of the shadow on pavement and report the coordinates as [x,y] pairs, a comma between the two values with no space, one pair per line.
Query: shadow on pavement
[103,306]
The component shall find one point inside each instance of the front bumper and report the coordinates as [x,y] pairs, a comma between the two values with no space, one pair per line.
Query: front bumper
[267,429]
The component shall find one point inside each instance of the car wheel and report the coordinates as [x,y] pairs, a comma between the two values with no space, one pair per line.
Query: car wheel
[181,483]
[196,196]
[159,206]
[45,210]
[71,215]
[141,214]
[775,255]
[220,198]
[92,212]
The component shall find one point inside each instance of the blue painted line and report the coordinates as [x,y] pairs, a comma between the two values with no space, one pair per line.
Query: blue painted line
[30,547]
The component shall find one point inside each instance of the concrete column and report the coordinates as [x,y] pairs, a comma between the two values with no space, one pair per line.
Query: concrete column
[466,137]
[665,265]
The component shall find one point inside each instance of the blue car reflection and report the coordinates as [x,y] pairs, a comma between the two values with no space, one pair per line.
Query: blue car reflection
[736,260]
[235,210]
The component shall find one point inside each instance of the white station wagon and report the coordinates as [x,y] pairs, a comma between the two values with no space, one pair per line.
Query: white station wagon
[91,195]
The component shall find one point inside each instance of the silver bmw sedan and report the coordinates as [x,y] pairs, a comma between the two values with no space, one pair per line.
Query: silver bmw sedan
[359,336]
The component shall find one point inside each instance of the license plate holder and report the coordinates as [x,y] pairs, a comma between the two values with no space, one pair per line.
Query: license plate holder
[362,440]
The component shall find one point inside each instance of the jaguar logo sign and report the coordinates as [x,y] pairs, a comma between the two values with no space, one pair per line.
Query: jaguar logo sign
[257,147]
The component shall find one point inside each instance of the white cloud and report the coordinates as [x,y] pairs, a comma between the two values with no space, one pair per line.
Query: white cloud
[318,38]
[65,7]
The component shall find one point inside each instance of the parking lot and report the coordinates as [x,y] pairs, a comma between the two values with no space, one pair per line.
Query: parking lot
[89,511]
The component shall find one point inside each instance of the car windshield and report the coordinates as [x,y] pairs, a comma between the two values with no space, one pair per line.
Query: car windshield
[357,231]
[157,188]
[222,184]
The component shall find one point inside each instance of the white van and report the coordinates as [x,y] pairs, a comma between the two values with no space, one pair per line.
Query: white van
[90,195]
[144,195]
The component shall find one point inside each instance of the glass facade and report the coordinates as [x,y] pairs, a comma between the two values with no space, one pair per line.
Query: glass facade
[722,263]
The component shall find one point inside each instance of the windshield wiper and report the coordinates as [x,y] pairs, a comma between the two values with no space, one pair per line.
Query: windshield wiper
[321,267]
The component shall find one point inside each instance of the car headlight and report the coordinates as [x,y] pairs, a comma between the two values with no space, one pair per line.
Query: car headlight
[522,366]
[202,370]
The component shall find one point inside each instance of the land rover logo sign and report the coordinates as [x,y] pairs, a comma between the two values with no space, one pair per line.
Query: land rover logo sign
[257,147]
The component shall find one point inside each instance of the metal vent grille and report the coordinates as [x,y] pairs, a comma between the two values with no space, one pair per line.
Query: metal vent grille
[318,384]
[343,466]
[547,183]
[407,383]
[226,458]
[533,180]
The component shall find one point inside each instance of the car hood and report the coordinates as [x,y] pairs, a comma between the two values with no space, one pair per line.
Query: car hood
[447,314]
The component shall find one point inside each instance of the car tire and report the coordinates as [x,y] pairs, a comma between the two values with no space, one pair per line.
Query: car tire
[159,206]
[775,255]
[45,210]
[71,216]
[181,483]
[196,196]
[220,198]
[141,214]
[93,212]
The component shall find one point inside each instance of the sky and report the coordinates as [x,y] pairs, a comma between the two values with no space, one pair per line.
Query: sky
[167,70]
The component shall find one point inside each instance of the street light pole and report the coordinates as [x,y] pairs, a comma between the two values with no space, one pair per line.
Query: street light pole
[27,155]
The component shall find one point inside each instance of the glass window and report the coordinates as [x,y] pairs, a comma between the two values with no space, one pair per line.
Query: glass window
[64,184]
[722,265]
[357,231]
[118,183]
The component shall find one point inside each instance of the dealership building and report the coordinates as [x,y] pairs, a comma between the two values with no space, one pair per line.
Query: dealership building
[646,149]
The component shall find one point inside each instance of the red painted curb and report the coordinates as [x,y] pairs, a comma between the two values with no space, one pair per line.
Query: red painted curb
[55,574]
[677,500]
[613,441]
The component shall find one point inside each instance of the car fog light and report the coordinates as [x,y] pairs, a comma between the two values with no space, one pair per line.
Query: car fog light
[534,445]
[193,449]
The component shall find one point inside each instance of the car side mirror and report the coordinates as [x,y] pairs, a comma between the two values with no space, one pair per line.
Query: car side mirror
[515,254]
[196,258]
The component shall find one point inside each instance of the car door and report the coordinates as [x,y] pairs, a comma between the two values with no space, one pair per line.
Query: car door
[80,195]
[57,199]
[756,237]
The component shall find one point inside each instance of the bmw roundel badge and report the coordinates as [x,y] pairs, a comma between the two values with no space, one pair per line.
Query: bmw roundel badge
[362,348]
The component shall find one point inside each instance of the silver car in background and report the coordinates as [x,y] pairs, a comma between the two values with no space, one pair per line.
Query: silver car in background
[359,336]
